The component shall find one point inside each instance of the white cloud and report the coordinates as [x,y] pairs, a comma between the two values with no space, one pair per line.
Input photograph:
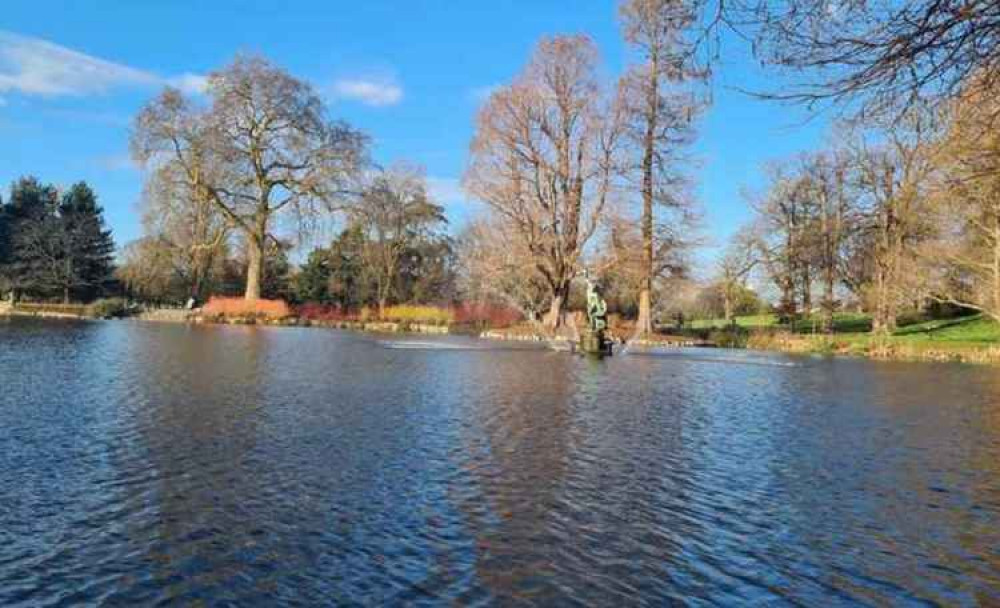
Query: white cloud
[378,92]
[32,66]
[190,83]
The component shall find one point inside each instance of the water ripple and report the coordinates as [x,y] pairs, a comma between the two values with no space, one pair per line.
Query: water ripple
[157,464]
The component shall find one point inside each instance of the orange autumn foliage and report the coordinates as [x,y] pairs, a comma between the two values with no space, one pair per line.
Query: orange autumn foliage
[239,307]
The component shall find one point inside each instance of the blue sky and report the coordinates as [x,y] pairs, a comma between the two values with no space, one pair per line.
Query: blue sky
[411,74]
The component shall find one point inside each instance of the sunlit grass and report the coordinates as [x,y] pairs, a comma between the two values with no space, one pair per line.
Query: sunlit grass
[852,332]
[749,322]
[974,329]
[842,322]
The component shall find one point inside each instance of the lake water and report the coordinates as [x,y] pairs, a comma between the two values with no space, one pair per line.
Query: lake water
[144,464]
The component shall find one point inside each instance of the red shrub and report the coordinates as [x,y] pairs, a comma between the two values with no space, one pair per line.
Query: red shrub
[483,313]
[314,311]
[238,307]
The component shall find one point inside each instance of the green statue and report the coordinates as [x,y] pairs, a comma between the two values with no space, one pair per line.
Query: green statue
[597,308]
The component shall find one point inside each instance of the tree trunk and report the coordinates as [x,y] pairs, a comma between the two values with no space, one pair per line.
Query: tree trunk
[727,304]
[884,319]
[255,268]
[556,317]
[644,324]
[256,241]
[196,285]
[996,268]
[829,265]
[787,304]
[828,302]
[806,290]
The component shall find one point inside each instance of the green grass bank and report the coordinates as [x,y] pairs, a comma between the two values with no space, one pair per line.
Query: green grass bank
[971,338]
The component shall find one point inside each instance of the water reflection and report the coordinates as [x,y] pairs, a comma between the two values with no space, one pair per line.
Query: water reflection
[157,463]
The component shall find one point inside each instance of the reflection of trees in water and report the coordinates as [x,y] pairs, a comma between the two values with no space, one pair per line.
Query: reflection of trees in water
[528,475]
[516,440]
[978,514]
[198,406]
[952,480]
[582,472]
[870,457]
[628,483]
[935,468]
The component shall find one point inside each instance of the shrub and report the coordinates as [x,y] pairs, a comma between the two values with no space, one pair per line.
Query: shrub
[315,311]
[429,315]
[365,314]
[731,337]
[52,307]
[107,308]
[485,314]
[238,307]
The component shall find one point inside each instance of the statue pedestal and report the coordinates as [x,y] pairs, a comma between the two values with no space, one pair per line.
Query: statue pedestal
[594,343]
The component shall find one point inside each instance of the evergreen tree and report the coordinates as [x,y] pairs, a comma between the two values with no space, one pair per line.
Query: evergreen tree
[276,281]
[5,250]
[51,246]
[427,274]
[312,284]
[88,248]
[4,240]
[28,223]
[350,284]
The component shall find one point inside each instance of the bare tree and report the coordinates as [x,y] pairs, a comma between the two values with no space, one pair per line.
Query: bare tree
[967,205]
[270,146]
[147,268]
[497,266]
[190,231]
[740,258]
[620,261]
[542,158]
[393,213]
[830,218]
[885,54]
[783,217]
[659,119]
[893,178]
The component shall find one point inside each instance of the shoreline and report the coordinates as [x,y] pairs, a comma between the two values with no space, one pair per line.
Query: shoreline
[891,349]
[44,314]
[801,344]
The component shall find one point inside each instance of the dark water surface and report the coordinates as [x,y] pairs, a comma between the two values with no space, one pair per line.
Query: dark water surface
[143,464]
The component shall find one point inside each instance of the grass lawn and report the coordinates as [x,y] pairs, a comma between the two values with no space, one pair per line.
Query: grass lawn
[842,322]
[748,322]
[852,333]
[972,330]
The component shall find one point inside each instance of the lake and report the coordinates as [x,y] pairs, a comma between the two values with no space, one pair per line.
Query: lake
[143,463]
